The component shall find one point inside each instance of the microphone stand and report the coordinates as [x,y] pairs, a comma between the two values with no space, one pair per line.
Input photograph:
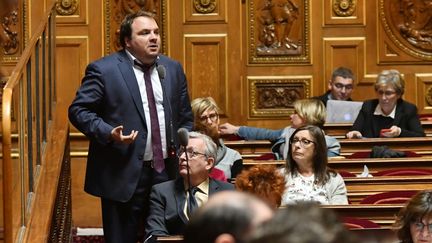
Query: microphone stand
[188,180]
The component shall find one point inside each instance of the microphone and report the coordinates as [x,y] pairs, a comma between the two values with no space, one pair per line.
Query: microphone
[183,136]
[161,71]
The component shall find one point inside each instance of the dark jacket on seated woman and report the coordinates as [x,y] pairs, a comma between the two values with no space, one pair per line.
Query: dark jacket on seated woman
[406,118]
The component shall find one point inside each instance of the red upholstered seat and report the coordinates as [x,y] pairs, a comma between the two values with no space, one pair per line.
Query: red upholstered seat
[358,223]
[404,172]
[218,174]
[393,197]
[232,137]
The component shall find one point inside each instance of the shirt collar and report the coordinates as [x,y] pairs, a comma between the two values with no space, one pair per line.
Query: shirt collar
[204,186]
[378,111]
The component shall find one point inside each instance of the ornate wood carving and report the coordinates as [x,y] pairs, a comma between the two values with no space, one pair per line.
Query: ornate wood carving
[279,31]
[274,96]
[428,96]
[344,8]
[9,33]
[204,6]
[408,23]
[66,7]
[116,10]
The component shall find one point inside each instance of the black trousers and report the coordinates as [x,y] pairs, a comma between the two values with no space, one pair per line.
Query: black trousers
[123,222]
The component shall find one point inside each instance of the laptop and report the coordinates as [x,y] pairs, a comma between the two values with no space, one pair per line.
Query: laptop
[340,111]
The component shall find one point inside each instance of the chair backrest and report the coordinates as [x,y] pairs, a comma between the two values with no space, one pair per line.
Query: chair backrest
[359,223]
[217,174]
[393,197]
[404,172]
[266,156]
[366,154]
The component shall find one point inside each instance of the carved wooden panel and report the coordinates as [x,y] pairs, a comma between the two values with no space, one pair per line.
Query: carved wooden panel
[116,10]
[278,31]
[424,91]
[206,67]
[273,96]
[345,12]
[71,11]
[348,52]
[12,31]
[408,26]
[205,10]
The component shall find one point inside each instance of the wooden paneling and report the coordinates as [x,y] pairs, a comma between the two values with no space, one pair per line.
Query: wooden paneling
[206,67]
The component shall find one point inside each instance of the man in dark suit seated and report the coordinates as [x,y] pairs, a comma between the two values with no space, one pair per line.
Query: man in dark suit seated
[170,204]
[340,86]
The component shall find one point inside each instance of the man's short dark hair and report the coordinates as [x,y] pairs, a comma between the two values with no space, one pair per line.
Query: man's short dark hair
[342,72]
[126,25]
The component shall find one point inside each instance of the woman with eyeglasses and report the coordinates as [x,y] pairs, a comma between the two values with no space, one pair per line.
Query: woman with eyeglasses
[414,221]
[307,176]
[306,112]
[388,115]
[206,120]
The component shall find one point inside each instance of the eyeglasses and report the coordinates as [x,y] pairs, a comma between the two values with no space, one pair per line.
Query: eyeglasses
[213,117]
[303,142]
[419,226]
[386,93]
[190,153]
[341,86]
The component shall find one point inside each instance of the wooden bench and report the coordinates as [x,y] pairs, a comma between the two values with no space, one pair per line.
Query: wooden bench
[384,215]
[357,165]
[250,149]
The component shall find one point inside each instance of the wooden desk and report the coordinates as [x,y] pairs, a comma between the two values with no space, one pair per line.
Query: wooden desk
[338,130]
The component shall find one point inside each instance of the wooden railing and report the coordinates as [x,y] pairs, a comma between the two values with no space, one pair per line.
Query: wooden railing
[36,169]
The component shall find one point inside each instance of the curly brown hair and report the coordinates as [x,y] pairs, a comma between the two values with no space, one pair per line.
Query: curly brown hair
[264,181]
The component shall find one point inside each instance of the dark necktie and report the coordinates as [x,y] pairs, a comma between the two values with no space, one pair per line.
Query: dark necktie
[158,160]
[192,203]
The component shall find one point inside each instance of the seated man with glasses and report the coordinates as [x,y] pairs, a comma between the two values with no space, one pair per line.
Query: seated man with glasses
[340,86]
[307,176]
[170,204]
[414,221]
[388,115]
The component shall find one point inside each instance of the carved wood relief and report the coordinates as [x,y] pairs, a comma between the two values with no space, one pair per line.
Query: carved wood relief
[424,91]
[66,7]
[344,12]
[116,10]
[205,11]
[408,23]
[274,96]
[11,32]
[278,31]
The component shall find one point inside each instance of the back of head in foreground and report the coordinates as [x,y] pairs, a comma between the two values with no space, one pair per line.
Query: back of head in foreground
[305,222]
[412,219]
[264,181]
[228,216]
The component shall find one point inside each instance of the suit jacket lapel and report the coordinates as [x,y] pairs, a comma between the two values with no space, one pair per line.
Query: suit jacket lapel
[398,112]
[126,69]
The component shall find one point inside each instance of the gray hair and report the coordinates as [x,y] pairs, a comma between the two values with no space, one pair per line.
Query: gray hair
[393,78]
[211,148]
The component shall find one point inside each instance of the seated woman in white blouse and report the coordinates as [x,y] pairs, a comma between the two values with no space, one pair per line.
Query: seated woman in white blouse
[306,173]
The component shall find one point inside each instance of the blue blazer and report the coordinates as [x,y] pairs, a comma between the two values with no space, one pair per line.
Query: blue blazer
[167,200]
[109,96]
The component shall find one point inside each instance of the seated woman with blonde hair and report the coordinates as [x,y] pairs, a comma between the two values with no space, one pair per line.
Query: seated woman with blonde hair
[306,112]
[206,120]
[264,181]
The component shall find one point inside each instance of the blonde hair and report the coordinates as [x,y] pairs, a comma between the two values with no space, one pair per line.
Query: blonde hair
[312,111]
[200,105]
[393,78]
